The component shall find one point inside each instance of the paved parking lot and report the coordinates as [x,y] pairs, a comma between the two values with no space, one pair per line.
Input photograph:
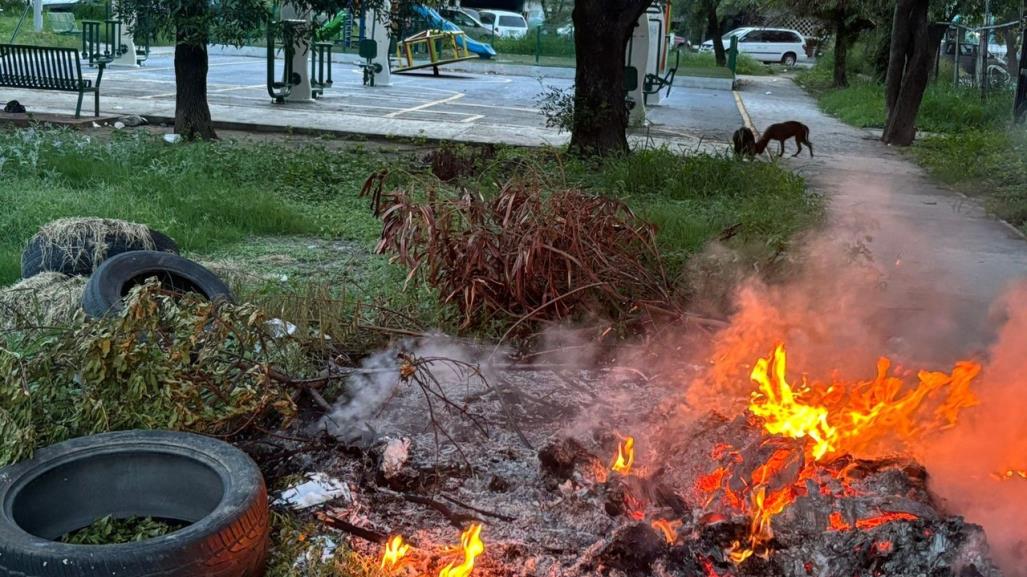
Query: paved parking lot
[454,97]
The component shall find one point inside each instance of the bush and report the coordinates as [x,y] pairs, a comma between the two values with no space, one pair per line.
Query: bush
[745,64]
[551,44]
[161,363]
[525,252]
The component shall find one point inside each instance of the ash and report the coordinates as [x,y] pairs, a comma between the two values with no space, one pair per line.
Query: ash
[429,444]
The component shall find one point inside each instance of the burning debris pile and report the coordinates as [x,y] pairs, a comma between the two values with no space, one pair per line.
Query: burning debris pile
[536,474]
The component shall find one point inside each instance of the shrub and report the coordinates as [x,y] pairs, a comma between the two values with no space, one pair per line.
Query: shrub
[522,253]
[162,363]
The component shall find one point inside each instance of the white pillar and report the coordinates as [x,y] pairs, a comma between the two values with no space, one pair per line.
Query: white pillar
[638,50]
[300,57]
[380,33]
[37,15]
[126,40]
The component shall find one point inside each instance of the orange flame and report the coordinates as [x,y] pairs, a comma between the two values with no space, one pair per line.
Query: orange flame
[625,456]
[846,418]
[668,528]
[831,420]
[473,546]
[395,551]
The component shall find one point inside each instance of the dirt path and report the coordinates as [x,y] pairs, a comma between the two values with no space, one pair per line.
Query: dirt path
[945,261]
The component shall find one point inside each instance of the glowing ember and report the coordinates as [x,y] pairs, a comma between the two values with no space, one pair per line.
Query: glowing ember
[1010,474]
[835,522]
[395,551]
[473,546]
[879,520]
[668,528]
[625,456]
[883,547]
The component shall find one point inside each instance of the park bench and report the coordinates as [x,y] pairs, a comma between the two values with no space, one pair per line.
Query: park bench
[63,23]
[48,68]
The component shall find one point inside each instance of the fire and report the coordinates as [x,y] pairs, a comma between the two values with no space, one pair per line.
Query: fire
[625,456]
[473,546]
[1010,474]
[668,528]
[831,420]
[395,551]
[839,418]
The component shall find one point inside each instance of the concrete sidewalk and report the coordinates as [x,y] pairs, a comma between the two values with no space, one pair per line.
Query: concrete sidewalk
[946,261]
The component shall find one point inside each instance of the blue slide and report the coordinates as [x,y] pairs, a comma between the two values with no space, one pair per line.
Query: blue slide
[435,20]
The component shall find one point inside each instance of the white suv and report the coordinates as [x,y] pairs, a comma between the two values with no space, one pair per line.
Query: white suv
[504,24]
[766,44]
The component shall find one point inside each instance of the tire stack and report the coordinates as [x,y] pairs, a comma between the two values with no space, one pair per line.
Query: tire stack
[115,255]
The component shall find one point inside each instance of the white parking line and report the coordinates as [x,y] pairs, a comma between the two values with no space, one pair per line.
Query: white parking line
[425,105]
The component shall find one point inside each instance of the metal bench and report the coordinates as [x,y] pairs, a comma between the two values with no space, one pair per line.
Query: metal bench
[48,68]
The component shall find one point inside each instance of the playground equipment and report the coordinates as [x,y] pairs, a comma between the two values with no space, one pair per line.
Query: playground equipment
[437,22]
[375,48]
[647,73]
[435,43]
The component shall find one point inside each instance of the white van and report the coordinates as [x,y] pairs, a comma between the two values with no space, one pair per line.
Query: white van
[766,44]
[504,24]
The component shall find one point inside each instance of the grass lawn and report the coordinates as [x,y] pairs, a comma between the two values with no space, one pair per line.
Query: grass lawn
[284,219]
[971,144]
[9,21]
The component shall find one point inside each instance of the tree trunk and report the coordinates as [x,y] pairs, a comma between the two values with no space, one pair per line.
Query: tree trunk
[601,34]
[912,72]
[898,52]
[192,115]
[713,29]
[841,49]
[1012,58]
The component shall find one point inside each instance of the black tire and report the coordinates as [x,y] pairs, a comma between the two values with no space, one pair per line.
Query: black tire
[39,257]
[210,484]
[789,59]
[116,276]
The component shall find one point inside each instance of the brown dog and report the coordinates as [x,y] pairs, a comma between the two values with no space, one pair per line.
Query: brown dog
[782,132]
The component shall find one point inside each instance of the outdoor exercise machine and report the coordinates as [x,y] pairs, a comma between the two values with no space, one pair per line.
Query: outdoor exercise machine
[297,82]
[647,74]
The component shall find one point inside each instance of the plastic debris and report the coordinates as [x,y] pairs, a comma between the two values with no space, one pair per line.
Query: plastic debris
[319,489]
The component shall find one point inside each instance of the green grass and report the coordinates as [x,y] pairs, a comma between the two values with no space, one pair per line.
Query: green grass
[970,143]
[746,64]
[26,35]
[205,195]
[945,109]
[991,164]
[691,199]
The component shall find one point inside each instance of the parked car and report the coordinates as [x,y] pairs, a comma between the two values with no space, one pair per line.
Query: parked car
[766,44]
[468,21]
[504,24]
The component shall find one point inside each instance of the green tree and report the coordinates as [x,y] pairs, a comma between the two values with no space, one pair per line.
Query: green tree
[847,18]
[191,23]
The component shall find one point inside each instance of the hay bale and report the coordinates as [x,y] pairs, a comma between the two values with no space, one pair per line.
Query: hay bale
[46,299]
[76,246]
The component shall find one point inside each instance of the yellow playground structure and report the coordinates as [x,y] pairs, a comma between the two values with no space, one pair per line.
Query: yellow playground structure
[442,47]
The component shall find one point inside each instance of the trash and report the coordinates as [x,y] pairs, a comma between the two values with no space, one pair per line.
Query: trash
[133,120]
[319,489]
[322,544]
[394,455]
[119,125]
[95,125]
[280,328]
[14,107]
[172,138]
